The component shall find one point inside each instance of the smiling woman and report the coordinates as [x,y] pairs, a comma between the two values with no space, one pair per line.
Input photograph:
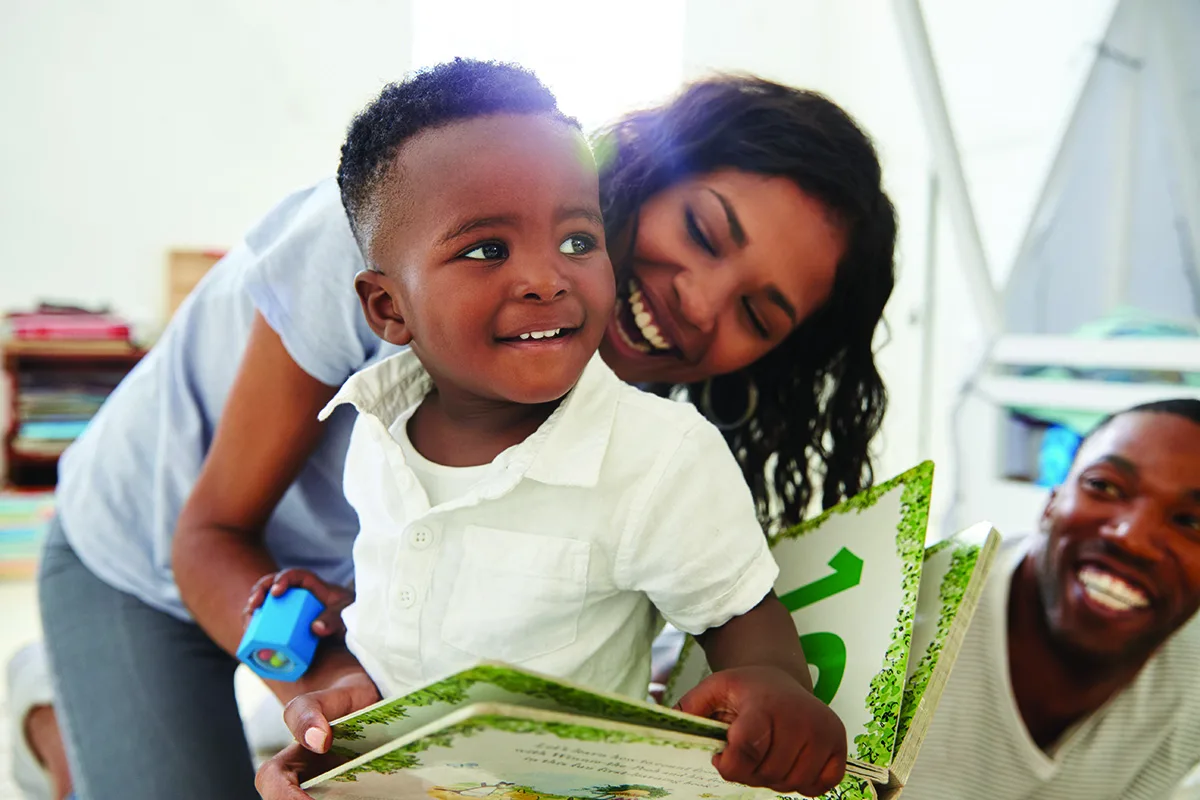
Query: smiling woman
[753,245]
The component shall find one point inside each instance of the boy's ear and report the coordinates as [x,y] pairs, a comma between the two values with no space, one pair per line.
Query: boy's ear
[381,306]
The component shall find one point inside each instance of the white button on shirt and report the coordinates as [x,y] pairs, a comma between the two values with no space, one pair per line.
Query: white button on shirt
[555,555]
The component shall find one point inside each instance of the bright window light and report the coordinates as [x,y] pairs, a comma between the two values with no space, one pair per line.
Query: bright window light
[599,59]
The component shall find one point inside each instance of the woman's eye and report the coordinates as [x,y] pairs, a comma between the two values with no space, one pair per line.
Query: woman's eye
[697,235]
[488,251]
[577,245]
[755,320]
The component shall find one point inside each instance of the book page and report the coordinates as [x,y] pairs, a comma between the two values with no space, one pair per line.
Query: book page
[953,579]
[508,753]
[947,569]
[391,719]
[850,578]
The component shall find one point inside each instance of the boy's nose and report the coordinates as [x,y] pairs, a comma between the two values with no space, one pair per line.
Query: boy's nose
[541,282]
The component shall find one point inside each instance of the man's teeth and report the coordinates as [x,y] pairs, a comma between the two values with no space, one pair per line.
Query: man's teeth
[550,334]
[645,322]
[1110,591]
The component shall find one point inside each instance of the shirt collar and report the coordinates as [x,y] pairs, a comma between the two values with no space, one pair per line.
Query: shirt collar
[566,450]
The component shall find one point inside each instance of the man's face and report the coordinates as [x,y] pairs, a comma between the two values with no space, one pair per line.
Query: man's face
[1119,570]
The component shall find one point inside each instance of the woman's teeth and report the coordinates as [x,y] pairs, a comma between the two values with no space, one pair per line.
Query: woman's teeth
[1108,590]
[641,347]
[644,321]
[550,334]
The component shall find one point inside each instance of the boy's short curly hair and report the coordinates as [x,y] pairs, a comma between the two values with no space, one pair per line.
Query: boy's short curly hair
[429,98]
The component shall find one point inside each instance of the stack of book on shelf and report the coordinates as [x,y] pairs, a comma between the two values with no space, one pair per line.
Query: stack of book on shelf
[24,518]
[54,407]
[62,363]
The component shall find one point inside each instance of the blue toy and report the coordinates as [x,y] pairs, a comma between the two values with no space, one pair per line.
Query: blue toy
[1057,452]
[279,643]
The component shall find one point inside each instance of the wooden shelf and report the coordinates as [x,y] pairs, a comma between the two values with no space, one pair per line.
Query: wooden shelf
[26,469]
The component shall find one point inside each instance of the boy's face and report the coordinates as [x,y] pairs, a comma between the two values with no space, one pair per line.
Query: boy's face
[492,260]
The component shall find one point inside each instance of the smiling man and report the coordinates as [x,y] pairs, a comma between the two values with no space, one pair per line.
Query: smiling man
[1080,675]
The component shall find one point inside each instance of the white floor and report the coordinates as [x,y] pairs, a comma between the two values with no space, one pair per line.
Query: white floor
[18,626]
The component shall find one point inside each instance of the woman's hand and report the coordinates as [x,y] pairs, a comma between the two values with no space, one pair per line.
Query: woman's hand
[335,598]
[307,717]
[266,433]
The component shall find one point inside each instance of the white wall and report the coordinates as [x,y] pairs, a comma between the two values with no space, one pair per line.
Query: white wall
[133,126]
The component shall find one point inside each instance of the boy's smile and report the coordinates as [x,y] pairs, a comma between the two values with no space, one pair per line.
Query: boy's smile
[490,249]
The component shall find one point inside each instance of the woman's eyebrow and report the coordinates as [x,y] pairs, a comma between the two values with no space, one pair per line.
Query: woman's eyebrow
[736,231]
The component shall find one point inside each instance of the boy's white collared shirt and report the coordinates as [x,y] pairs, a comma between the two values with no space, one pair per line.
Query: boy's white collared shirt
[619,503]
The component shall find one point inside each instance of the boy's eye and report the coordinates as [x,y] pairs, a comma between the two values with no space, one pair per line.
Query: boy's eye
[488,251]
[577,245]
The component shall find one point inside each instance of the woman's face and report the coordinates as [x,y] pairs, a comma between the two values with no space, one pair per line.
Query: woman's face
[725,266]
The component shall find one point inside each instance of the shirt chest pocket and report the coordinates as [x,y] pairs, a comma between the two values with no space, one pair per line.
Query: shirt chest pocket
[517,596]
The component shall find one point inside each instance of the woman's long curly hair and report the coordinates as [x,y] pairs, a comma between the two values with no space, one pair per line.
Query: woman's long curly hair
[820,397]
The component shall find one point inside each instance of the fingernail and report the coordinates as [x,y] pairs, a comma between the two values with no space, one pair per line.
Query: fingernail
[319,626]
[315,739]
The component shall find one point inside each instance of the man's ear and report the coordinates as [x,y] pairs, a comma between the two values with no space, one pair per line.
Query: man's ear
[381,306]
[1048,510]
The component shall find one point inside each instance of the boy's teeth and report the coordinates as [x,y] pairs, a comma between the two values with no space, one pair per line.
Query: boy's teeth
[644,321]
[1110,591]
[541,334]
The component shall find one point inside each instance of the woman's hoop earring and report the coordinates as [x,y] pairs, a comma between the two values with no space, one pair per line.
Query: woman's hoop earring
[747,415]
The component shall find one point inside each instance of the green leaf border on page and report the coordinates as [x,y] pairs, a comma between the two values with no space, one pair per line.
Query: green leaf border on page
[455,690]
[950,593]
[877,744]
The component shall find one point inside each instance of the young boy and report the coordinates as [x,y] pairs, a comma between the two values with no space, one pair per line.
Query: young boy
[517,501]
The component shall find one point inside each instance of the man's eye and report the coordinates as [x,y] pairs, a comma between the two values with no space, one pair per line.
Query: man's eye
[488,251]
[1189,521]
[1101,486]
[577,245]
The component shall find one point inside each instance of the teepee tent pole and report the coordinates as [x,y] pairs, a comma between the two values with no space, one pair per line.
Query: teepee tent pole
[1165,34]
[948,163]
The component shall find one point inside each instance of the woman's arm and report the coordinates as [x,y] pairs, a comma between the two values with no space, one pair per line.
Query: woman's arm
[266,433]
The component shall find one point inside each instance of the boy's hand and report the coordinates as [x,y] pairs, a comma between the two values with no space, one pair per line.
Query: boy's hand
[307,717]
[780,736]
[335,598]
[280,776]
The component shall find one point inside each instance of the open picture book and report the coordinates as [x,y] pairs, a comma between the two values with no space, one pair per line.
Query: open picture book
[880,617]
